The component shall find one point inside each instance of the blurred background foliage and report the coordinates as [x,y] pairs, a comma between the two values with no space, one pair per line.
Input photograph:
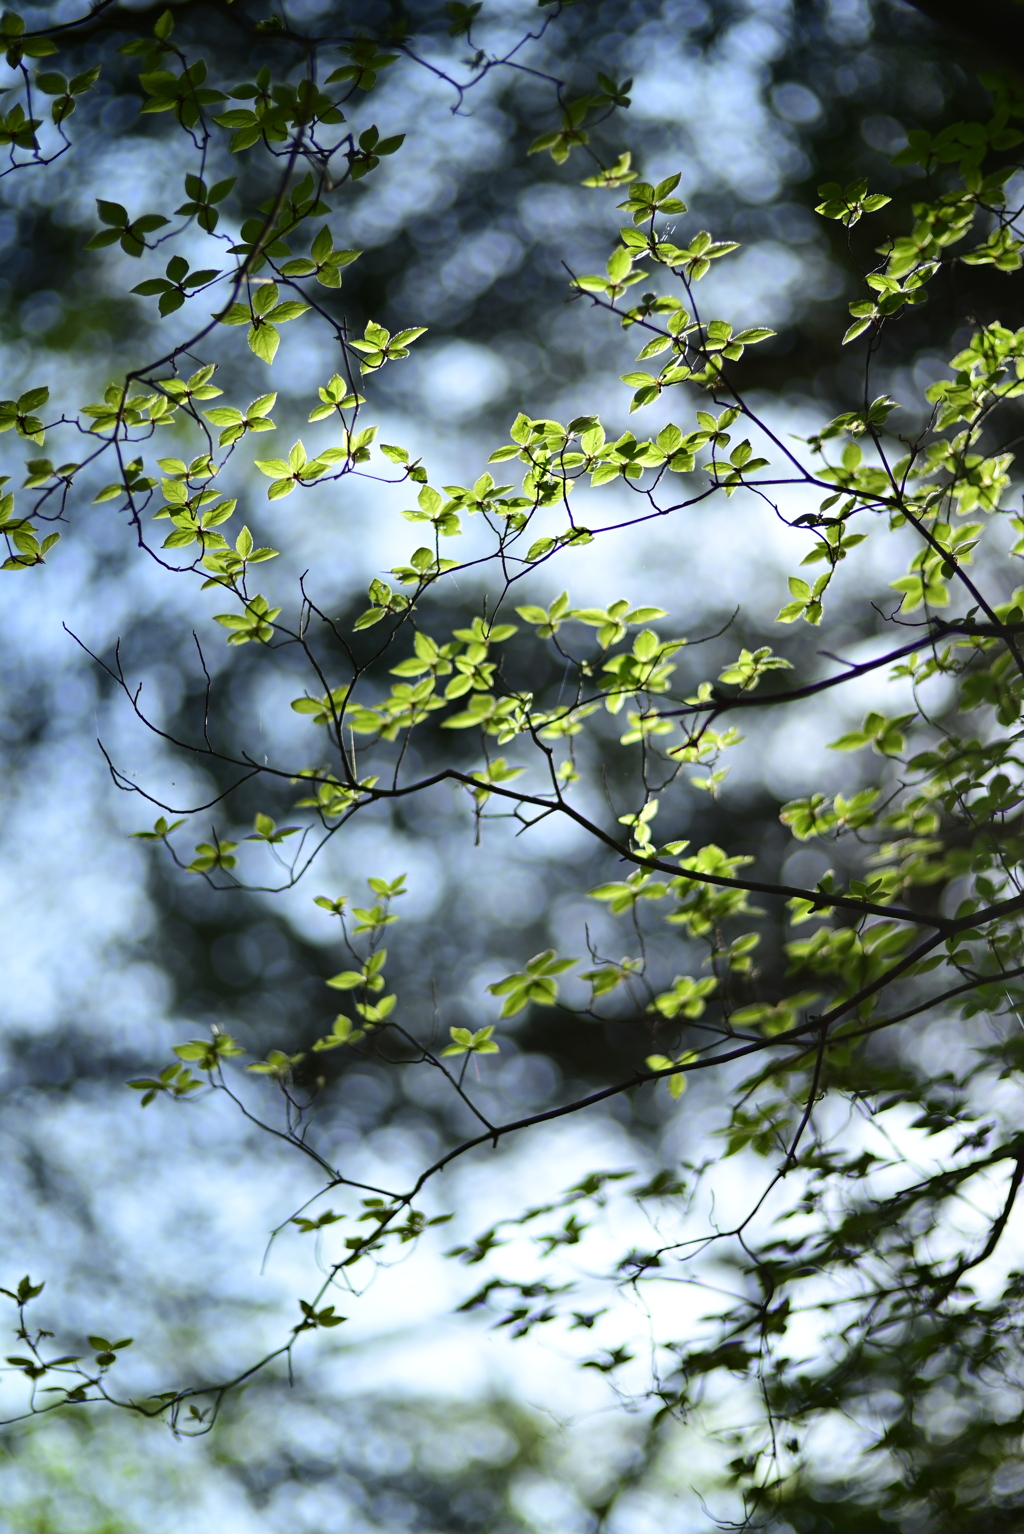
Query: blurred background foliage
[107,952]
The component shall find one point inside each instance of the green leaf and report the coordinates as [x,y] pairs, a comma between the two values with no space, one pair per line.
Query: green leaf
[112,212]
[348,979]
[289,310]
[264,339]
